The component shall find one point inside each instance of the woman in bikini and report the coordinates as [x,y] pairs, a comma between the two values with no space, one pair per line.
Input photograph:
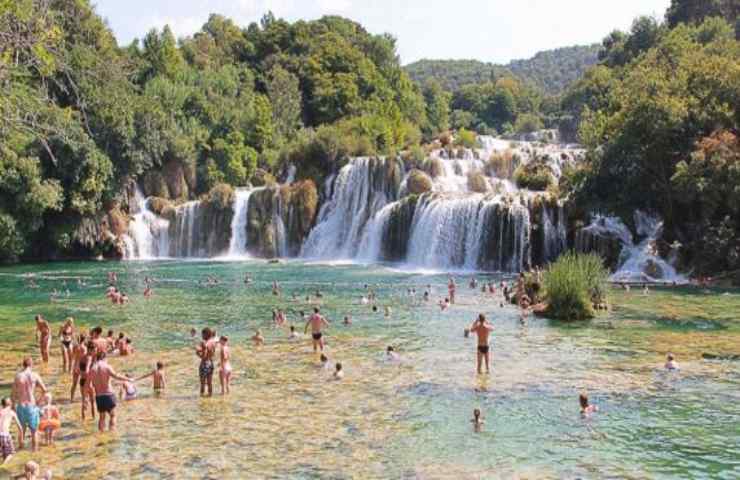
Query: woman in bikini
[43,335]
[66,335]
[225,370]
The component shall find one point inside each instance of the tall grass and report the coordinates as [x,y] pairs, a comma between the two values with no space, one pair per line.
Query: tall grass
[573,284]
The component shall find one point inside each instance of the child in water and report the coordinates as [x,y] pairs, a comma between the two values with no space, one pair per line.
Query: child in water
[258,339]
[225,370]
[671,363]
[158,380]
[50,420]
[477,420]
[31,471]
[338,373]
[128,390]
[586,408]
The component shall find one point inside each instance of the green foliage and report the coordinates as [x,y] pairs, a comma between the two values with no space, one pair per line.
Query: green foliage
[221,197]
[466,138]
[551,71]
[534,176]
[235,159]
[283,90]
[12,242]
[438,108]
[693,11]
[528,123]
[573,284]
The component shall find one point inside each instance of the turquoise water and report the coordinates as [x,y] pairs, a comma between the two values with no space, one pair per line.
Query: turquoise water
[384,420]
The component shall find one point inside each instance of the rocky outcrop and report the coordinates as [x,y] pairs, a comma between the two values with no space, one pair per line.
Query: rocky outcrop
[418,182]
[175,181]
[605,243]
[477,183]
[202,229]
[397,230]
[279,219]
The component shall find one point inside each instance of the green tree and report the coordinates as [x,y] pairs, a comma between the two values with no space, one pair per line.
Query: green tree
[437,108]
[283,90]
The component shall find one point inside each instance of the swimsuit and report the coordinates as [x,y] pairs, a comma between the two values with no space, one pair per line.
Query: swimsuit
[28,415]
[6,445]
[66,343]
[130,391]
[50,423]
[483,349]
[206,368]
[105,403]
[316,336]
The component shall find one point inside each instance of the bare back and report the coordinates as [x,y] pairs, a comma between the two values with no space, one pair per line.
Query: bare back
[317,322]
[483,330]
[25,386]
[101,374]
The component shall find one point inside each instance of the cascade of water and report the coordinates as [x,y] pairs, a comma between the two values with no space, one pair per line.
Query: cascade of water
[149,234]
[360,190]
[554,232]
[238,241]
[642,262]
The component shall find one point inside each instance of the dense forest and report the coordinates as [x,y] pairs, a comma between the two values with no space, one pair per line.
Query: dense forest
[81,117]
[551,71]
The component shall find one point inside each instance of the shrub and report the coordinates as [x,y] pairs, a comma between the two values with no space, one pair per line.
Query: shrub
[477,182]
[158,204]
[466,138]
[445,139]
[534,176]
[418,182]
[573,284]
[528,123]
[12,243]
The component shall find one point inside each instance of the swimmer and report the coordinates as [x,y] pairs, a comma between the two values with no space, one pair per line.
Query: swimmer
[426,295]
[671,363]
[148,292]
[324,365]
[391,355]
[586,408]
[101,375]
[347,320]
[258,339]
[193,333]
[338,373]
[473,283]
[364,300]
[482,329]
[451,289]
[280,318]
[126,348]
[7,418]
[317,322]
[293,335]
[477,420]
[66,336]
[159,383]
[50,420]
[444,304]
[24,399]
[645,290]
[375,309]
[275,288]
[466,333]
[387,312]
[225,370]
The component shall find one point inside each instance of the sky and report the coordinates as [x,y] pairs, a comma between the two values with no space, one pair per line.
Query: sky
[488,30]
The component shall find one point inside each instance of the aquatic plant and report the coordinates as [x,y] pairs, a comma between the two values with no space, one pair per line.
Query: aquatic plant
[574,283]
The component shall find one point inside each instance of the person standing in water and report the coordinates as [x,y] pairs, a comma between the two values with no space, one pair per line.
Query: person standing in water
[66,336]
[224,371]
[586,407]
[671,363]
[24,389]
[206,350]
[317,322]
[477,421]
[482,329]
[100,376]
[7,418]
[43,336]
[451,287]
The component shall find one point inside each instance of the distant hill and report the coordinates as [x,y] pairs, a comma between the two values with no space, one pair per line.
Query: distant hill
[551,70]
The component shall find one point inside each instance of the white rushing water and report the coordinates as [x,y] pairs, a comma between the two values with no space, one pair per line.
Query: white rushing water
[343,217]
[238,241]
[148,236]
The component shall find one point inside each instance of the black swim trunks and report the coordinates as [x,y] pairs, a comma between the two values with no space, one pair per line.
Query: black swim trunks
[483,349]
[105,403]
[206,368]
[317,336]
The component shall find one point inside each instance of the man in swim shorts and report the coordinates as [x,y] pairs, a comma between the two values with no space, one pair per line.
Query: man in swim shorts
[482,329]
[206,350]
[7,418]
[101,375]
[24,388]
[317,322]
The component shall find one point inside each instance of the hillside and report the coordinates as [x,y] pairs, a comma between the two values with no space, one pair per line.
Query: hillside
[552,71]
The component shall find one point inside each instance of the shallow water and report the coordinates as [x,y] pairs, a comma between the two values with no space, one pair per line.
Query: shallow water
[387,420]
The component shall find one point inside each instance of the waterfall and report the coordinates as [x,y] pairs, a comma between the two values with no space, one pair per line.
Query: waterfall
[361,189]
[472,232]
[148,234]
[238,241]
[555,232]
[642,262]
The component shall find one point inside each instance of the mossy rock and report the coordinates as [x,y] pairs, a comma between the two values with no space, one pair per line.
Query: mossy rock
[534,176]
[434,167]
[262,178]
[174,176]
[159,204]
[118,222]
[221,197]
[477,183]
[418,182]
[155,185]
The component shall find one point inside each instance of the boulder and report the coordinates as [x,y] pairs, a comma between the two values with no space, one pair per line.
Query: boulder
[477,182]
[418,182]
